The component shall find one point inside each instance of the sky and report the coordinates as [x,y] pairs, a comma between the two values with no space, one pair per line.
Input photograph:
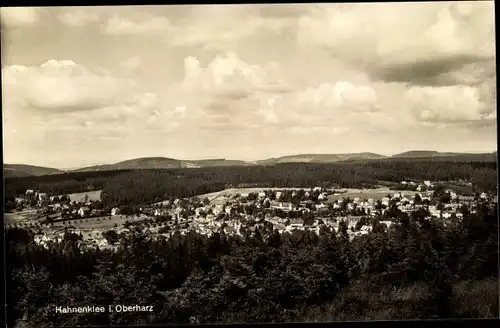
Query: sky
[93,85]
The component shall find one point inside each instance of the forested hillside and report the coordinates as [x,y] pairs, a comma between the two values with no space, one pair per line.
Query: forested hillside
[415,269]
[136,187]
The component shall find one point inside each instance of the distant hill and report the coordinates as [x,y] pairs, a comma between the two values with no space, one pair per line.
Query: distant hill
[19,170]
[424,153]
[215,162]
[466,157]
[161,163]
[319,158]
[22,170]
[136,163]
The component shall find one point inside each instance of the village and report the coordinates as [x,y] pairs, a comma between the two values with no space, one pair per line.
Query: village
[236,211]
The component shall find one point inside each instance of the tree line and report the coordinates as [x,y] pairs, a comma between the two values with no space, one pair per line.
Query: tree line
[137,187]
[414,269]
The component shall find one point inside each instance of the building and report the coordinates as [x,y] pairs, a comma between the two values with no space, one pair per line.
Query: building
[278,194]
[42,196]
[83,211]
[427,183]
[218,209]
[115,211]
[296,223]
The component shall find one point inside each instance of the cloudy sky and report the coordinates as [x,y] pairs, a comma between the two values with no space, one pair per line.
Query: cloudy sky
[93,85]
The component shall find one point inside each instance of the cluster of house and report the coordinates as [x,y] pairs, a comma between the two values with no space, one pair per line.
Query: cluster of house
[56,207]
[231,212]
[91,239]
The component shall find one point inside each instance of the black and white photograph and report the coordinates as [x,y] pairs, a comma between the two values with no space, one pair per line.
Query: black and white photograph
[249,163]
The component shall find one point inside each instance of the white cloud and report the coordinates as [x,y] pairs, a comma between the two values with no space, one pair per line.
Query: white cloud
[62,86]
[385,35]
[117,25]
[131,65]
[221,27]
[341,95]
[449,104]
[18,16]
[74,102]
[78,16]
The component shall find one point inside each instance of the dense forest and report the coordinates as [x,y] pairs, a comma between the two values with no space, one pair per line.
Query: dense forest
[137,187]
[413,269]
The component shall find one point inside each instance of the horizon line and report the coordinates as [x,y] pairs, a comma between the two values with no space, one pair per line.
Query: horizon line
[254,160]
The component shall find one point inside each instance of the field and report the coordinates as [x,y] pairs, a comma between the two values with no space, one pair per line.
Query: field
[376,194]
[100,223]
[27,216]
[80,197]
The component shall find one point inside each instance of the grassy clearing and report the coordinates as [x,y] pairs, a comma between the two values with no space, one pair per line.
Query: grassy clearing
[376,194]
[100,223]
[80,197]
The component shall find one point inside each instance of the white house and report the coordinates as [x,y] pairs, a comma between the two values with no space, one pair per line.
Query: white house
[322,196]
[218,209]
[320,206]
[285,206]
[82,211]
[387,223]
[157,212]
[278,194]
[262,194]
[446,215]
[116,211]
[296,223]
[385,201]
[427,183]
